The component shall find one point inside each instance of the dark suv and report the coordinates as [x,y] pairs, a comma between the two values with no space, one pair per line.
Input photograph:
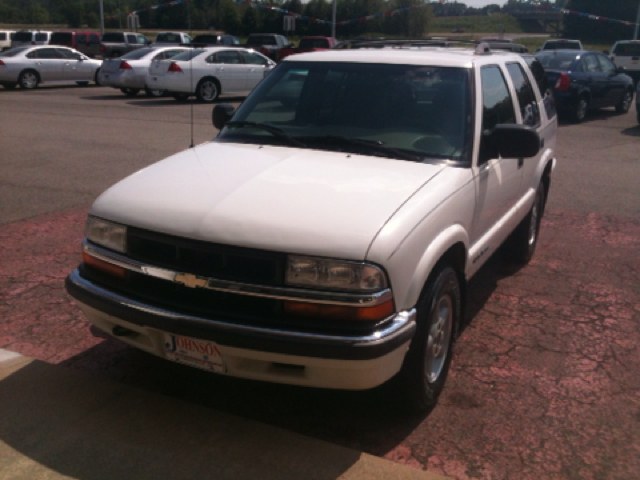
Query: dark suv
[85,42]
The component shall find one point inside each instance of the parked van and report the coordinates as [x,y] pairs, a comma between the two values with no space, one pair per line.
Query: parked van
[85,42]
[5,39]
[25,38]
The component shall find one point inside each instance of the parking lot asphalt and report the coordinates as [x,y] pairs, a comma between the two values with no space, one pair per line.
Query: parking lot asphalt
[545,382]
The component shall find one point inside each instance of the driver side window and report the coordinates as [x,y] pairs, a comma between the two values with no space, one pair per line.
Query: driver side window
[497,106]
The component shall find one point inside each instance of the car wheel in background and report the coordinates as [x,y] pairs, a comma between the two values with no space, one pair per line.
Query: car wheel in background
[426,364]
[96,80]
[153,93]
[130,92]
[208,90]
[522,242]
[625,103]
[29,79]
[83,84]
[580,111]
[181,97]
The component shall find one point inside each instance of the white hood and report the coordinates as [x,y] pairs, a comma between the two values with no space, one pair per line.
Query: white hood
[275,198]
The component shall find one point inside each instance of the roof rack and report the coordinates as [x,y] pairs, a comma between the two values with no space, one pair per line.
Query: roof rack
[482,48]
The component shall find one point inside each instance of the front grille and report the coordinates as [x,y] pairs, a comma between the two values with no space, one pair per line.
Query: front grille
[222,262]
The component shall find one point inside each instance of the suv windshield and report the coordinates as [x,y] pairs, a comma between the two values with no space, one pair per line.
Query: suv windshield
[23,36]
[561,45]
[400,111]
[168,38]
[627,50]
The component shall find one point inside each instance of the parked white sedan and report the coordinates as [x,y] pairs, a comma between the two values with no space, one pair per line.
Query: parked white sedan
[31,66]
[129,72]
[209,72]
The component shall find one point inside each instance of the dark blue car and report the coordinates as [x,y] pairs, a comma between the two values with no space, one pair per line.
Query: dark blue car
[586,80]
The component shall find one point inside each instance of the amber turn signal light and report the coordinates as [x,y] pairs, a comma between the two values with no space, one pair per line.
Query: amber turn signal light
[103,266]
[338,312]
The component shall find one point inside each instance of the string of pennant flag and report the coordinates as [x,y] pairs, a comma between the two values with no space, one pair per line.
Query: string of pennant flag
[365,18]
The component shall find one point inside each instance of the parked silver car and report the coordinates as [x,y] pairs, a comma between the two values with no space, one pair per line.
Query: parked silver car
[129,72]
[31,66]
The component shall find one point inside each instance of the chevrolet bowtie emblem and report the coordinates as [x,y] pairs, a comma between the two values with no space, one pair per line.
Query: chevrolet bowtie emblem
[189,280]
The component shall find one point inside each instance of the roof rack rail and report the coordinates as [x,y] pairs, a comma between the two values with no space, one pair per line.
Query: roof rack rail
[481,47]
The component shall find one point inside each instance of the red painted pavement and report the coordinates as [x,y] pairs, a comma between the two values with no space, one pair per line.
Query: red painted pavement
[545,382]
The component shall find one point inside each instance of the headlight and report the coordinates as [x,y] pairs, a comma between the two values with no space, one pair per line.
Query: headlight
[105,233]
[334,274]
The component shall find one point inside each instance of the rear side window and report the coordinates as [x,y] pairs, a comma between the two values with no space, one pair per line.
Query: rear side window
[606,65]
[526,96]
[253,58]
[47,53]
[590,64]
[227,57]
[188,55]
[627,50]
[3,36]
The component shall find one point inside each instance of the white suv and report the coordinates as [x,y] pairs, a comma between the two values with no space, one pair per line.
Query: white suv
[325,238]
[626,53]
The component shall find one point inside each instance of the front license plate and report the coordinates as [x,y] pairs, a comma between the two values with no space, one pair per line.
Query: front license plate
[197,353]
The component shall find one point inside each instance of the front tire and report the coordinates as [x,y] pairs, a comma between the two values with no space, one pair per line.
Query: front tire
[130,92]
[523,241]
[208,90]
[29,80]
[625,103]
[426,365]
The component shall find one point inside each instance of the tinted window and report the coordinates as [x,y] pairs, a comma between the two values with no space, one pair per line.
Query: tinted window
[561,45]
[94,38]
[253,58]
[526,97]
[137,54]
[3,36]
[209,39]
[23,36]
[606,65]
[65,53]
[627,49]
[590,64]
[168,38]
[81,38]
[61,38]
[132,39]
[497,106]
[314,43]
[42,37]
[142,39]
[227,57]
[47,53]
[113,38]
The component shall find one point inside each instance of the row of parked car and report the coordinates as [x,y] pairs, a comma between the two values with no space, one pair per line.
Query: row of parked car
[577,80]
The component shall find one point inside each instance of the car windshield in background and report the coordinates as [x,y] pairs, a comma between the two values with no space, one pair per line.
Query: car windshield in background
[113,37]
[262,40]
[137,54]
[206,39]
[13,52]
[399,111]
[627,50]
[61,37]
[23,36]
[557,60]
[188,55]
[562,46]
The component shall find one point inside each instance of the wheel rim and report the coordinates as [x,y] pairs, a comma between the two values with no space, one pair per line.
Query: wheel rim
[208,91]
[626,103]
[29,80]
[439,338]
[582,109]
[533,224]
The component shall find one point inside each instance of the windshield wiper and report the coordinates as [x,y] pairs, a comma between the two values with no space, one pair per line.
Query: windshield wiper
[275,131]
[375,146]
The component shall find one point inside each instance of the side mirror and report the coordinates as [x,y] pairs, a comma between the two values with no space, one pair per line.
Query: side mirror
[511,141]
[221,114]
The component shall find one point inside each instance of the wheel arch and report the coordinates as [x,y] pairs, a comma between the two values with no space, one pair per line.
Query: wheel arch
[30,70]
[210,77]
[451,247]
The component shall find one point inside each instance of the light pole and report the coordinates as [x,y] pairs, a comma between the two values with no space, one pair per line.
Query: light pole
[333,19]
[101,17]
